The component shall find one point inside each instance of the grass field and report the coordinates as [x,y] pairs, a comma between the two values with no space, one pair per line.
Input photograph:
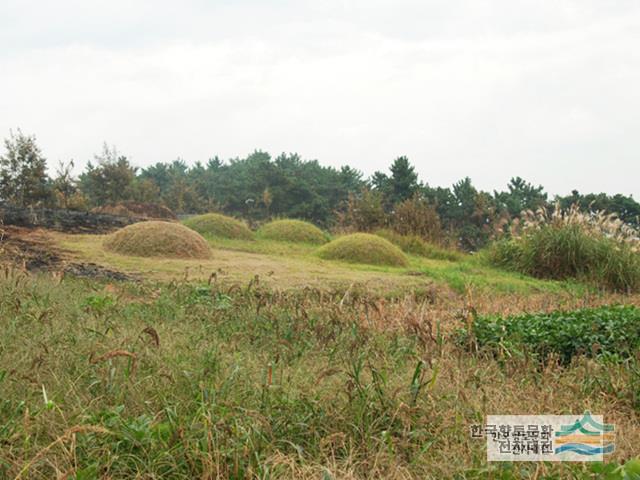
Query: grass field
[287,265]
[312,369]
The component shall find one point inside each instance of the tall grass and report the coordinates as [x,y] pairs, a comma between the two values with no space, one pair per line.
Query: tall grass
[415,245]
[596,248]
[238,381]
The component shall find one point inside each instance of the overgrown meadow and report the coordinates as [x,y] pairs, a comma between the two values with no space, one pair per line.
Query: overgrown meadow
[205,380]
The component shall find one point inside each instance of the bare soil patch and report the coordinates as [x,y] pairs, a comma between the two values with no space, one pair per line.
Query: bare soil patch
[35,251]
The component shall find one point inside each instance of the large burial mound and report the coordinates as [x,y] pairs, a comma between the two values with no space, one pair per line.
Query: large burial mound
[158,239]
[293,231]
[364,248]
[216,225]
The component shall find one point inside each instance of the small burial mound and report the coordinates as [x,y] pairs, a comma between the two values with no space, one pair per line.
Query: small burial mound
[158,239]
[364,248]
[293,231]
[217,225]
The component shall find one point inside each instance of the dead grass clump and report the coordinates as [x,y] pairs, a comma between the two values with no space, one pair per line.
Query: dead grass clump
[364,248]
[293,231]
[158,239]
[217,225]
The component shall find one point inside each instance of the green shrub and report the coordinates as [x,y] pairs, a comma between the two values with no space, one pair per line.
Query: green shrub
[610,331]
[414,245]
[217,225]
[416,216]
[293,231]
[363,248]
[363,212]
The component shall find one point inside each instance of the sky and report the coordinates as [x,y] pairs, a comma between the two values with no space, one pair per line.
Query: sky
[548,90]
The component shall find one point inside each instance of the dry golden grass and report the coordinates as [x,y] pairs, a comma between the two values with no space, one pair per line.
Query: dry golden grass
[598,224]
[296,266]
[231,266]
[158,239]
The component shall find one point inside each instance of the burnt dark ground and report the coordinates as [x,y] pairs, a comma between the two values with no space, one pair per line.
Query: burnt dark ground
[68,221]
[32,250]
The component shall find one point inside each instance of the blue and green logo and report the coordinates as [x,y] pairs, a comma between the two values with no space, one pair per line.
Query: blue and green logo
[585,437]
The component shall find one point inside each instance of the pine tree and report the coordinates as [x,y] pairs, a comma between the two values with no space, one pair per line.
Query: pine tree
[403,183]
[521,196]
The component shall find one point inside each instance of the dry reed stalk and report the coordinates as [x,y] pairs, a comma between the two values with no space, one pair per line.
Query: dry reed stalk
[596,222]
[113,354]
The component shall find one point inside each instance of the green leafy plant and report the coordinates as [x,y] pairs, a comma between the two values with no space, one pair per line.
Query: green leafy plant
[610,331]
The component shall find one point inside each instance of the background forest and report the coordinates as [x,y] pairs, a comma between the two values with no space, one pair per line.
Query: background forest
[260,187]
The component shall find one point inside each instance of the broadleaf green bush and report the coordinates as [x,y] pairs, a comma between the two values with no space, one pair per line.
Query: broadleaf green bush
[610,331]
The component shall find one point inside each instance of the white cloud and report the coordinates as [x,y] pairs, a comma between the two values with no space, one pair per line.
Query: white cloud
[488,89]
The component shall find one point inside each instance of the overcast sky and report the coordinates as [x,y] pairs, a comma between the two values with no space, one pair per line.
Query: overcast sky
[545,89]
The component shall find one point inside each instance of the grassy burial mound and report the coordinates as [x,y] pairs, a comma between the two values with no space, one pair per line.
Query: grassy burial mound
[364,248]
[217,225]
[293,231]
[158,239]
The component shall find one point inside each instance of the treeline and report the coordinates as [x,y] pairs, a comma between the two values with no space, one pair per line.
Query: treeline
[259,187]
